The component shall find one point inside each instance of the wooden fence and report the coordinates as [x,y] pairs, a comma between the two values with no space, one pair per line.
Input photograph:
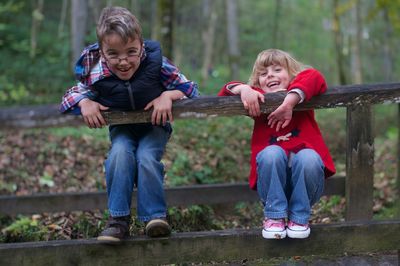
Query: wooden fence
[357,234]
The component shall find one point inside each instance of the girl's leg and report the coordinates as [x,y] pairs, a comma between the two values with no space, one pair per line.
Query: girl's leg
[150,200]
[306,184]
[272,174]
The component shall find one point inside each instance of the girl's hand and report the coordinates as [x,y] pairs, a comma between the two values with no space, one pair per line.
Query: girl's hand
[282,116]
[91,113]
[250,99]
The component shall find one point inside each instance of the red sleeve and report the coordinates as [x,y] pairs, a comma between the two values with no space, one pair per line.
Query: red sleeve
[310,81]
[224,90]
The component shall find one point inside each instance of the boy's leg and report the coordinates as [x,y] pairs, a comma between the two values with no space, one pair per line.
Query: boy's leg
[306,185]
[151,205]
[120,168]
[271,183]
[120,174]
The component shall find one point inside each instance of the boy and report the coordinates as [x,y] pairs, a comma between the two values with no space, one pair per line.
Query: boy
[124,72]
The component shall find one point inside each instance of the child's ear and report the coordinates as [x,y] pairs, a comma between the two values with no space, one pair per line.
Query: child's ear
[102,57]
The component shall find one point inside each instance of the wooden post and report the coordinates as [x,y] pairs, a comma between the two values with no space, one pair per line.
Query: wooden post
[398,164]
[359,163]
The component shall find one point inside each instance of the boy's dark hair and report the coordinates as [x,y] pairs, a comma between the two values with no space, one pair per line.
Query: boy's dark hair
[118,20]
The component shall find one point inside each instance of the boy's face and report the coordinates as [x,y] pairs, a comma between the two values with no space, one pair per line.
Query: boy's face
[122,58]
[274,78]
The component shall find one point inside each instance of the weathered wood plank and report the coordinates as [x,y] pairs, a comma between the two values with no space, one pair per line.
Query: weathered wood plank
[216,246]
[359,163]
[179,196]
[337,96]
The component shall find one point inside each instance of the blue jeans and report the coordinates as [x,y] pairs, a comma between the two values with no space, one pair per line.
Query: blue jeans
[135,160]
[288,187]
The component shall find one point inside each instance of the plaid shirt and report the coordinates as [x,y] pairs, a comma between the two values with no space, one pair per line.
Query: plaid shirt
[90,69]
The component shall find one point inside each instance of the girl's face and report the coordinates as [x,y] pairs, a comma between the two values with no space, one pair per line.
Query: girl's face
[274,78]
[122,58]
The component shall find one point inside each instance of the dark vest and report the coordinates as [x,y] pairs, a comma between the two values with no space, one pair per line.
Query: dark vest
[144,86]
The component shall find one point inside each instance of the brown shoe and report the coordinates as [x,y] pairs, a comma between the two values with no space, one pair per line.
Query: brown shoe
[117,228]
[158,228]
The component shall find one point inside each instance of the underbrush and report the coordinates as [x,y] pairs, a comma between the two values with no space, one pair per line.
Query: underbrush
[200,152]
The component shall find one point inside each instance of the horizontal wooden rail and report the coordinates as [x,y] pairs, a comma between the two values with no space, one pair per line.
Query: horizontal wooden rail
[178,196]
[203,107]
[216,246]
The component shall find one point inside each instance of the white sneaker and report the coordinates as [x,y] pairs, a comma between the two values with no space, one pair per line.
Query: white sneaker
[274,229]
[295,230]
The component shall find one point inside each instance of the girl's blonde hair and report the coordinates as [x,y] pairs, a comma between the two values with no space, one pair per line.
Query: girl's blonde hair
[275,57]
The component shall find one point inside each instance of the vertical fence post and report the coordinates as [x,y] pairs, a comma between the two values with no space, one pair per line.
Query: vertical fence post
[398,165]
[359,163]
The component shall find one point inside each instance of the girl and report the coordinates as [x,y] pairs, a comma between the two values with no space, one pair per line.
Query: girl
[289,158]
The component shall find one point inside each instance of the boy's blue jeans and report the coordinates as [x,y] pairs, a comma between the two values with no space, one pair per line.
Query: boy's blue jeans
[136,161]
[289,188]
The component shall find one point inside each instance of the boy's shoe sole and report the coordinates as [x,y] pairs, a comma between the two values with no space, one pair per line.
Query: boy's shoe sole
[158,228]
[298,233]
[273,234]
[108,239]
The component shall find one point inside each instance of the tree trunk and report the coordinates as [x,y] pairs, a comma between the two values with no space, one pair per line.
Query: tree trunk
[210,15]
[277,21]
[95,8]
[63,15]
[164,26]
[135,8]
[79,11]
[233,39]
[37,18]
[356,44]
[386,47]
[338,43]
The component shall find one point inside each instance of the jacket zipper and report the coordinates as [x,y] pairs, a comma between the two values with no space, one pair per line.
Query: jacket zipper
[129,88]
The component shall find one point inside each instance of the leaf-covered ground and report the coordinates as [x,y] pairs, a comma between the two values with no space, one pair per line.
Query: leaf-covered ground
[215,151]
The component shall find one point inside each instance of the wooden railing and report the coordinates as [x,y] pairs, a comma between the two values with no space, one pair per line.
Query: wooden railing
[357,234]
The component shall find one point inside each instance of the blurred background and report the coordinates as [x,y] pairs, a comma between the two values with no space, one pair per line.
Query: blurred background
[212,42]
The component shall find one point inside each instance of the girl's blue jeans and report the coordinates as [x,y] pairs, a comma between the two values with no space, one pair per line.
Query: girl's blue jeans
[288,187]
[135,160]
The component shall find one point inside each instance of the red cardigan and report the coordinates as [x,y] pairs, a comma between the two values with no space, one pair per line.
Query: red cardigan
[304,129]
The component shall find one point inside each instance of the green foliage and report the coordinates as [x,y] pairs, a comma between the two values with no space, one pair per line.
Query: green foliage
[221,148]
[193,218]
[24,229]
[86,227]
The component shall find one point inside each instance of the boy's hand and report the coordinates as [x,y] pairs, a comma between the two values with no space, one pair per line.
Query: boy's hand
[250,99]
[282,116]
[162,107]
[91,113]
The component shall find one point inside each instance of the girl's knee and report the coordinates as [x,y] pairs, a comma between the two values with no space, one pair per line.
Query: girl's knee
[307,158]
[271,154]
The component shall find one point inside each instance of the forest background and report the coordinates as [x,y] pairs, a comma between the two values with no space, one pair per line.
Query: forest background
[212,42]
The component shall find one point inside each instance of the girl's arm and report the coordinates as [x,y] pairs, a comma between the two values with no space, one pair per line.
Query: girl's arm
[309,81]
[250,97]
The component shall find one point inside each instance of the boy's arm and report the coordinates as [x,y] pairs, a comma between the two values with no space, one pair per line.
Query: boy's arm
[79,101]
[177,87]
[73,96]
[173,79]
